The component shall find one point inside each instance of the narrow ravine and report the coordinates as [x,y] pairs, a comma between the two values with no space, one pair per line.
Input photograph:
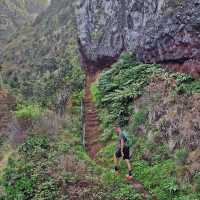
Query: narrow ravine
[93,131]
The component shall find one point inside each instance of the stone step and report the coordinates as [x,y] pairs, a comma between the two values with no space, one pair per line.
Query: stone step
[92,123]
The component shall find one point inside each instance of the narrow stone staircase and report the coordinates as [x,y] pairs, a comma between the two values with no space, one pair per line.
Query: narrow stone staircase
[92,128]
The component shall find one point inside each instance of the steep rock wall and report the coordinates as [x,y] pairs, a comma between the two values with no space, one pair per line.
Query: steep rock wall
[157,31]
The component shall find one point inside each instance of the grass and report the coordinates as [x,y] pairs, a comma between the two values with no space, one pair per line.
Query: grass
[31,111]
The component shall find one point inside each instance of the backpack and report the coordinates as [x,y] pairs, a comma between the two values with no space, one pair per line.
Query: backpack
[128,139]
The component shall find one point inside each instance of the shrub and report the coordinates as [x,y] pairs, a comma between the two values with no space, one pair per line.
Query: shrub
[32,111]
[119,189]
[35,146]
[186,84]
[197,180]
[27,175]
[181,156]
[139,118]
[96,96]
[122,83]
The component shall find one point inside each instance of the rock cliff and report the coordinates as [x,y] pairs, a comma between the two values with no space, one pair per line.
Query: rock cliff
[157,31]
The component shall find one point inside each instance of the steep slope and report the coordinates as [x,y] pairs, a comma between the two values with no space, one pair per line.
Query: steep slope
[160,111]
[164,31]
[39,50]
[46,34]
[15,13]
[93,131]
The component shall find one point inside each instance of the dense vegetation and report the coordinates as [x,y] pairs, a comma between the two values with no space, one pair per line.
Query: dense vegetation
[115,93]
[50,162]
[50,166]
[41,152]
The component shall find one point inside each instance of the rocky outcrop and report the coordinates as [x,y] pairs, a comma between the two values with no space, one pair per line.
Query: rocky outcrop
[175,40]
[172,119]
[157,31]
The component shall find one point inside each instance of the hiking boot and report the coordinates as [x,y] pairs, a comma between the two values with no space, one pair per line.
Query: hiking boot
[129,178]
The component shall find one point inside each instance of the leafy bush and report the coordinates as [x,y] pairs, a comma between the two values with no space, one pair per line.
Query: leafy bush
[158,178]
[197,179]
[2,139]
[186,83]
[139,118]
[32,111]
[119,189]
[34,146]
[188,197]
[27,175]
[121,84]
[95,93]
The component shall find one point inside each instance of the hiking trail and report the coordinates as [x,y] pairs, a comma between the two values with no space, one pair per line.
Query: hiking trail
[93,132]
[92,128]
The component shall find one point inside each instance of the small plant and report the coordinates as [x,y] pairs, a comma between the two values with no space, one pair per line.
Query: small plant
[181,156]
[96,95]
[34,145]
[186,83]
[138,119]
[197,180]
[31,111]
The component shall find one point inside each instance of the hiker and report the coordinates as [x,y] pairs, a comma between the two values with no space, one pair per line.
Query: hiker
[123,150]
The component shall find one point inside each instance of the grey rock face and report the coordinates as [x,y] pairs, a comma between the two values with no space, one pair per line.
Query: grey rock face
[157,31]
[106,28]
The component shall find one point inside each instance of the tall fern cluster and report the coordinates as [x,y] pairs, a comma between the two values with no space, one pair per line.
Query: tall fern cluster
[120,85]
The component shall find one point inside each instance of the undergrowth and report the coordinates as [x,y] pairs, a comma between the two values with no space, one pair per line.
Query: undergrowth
[154,164]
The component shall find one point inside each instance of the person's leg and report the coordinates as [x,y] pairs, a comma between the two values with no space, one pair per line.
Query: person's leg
[116,158]
[116,161]
[129,167]
[127,160]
